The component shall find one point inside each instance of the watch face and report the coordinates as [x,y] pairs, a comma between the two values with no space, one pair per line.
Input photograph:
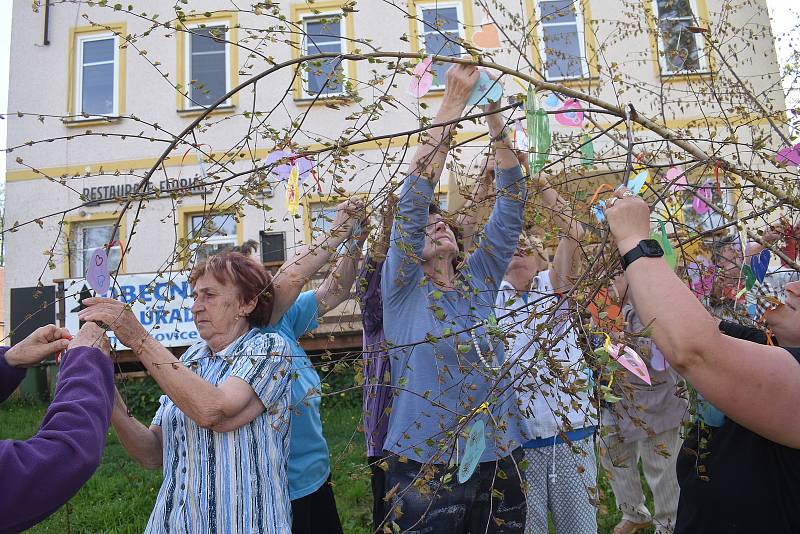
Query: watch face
[651,248]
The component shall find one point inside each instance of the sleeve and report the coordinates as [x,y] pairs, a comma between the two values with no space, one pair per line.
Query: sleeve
[401,269]
[743,332]
[162,404]
[302,316]
[10,377]
[501,233]
[264,366]
[368,289]
[37,476]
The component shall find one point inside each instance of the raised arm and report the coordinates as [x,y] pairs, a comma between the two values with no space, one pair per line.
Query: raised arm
[336,287]
[295,274]
[232,404]
[755,385]
[40,474]
[563,273]
[402,270]
[43,343]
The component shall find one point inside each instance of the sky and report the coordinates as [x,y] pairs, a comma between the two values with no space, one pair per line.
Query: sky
[784,15]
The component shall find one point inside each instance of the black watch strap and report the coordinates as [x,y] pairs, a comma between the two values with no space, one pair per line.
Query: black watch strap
[647,248]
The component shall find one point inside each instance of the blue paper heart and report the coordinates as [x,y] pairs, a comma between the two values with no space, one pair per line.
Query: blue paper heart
[636,183]
[552,101]
[759,264]
[476,443]
[485,91]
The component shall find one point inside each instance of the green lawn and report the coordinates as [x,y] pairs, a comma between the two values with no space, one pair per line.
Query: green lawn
[121,494]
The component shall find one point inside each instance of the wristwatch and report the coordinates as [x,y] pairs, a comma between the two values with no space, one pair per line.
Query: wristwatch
[648,248]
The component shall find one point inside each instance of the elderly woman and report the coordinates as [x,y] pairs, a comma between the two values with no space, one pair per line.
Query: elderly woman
[221,432]
[742,476]
[443,362]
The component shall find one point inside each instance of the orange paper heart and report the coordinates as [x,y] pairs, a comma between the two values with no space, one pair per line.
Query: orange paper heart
[487,36]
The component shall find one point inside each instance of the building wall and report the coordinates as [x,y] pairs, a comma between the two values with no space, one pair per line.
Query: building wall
[68,167]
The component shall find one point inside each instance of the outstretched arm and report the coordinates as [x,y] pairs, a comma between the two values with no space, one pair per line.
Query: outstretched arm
[563,273]
[39,475]
[755,385]
[295,274]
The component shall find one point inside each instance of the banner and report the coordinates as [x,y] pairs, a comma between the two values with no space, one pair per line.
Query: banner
[162,303]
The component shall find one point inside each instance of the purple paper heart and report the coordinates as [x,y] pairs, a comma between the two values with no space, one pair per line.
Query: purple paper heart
[759,264]
[97,271]
[789,156]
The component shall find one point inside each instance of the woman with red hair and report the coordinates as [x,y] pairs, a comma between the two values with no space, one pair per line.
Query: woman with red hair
[221,432]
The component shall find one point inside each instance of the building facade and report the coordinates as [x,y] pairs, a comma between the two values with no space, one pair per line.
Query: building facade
[102,90]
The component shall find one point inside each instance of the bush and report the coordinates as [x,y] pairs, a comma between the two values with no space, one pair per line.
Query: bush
[142,396]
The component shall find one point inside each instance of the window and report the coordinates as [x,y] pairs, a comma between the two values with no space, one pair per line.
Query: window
[562,40]
[212,234]
[440,29]
[85,238]
[96,75]
[273,247]
[207,64]
[323,34]
[320,220]
[681,50]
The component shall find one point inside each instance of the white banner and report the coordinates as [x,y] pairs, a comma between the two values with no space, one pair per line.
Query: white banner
[162,303]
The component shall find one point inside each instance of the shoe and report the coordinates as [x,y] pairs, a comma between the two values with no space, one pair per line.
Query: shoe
[629,527]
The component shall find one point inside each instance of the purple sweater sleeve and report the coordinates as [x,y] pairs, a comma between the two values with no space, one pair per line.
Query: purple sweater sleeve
[37,476]
[10,377]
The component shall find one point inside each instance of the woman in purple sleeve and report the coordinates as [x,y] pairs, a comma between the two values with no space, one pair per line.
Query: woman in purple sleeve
[446,379]
[40,474]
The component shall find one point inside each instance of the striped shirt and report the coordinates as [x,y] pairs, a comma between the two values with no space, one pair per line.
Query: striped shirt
[228,481]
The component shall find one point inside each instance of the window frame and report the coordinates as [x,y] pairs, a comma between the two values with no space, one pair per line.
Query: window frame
[305,95]
[704,65]
[212,240]
[71,224]
[421,27]
[580,26]
[189,105]
[78,35]
[184,216]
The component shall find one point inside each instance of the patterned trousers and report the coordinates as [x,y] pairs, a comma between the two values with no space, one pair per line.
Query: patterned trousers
[658,455]
[562,479]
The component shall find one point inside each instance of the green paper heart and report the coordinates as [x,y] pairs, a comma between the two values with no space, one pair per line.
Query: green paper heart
[669,252]
[539,137]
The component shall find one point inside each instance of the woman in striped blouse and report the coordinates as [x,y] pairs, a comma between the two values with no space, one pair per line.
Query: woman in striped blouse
[221,432]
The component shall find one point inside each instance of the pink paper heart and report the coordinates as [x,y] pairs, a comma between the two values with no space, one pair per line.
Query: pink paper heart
[657,360]
[789,157]
[631,361]
[573,119]
[421,79]
[701,201]
[97,272]
[676,179]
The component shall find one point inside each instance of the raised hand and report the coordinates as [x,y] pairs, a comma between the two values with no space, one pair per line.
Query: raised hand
[43,343]
[117,317]
[91,335]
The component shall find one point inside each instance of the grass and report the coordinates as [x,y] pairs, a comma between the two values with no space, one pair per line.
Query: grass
[120,495]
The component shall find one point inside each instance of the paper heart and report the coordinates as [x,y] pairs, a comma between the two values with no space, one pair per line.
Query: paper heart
[551,101]
[597,211]
[700,203]
[749,277]
[631,361]
[476,444]
[636,183]
[487,36]
[701,277]
[97,273]
[666,246]
[676,179]
[421,79]
[573,119]
[789,157]
[760,265]
[485,91]
[539,136]
[613,314]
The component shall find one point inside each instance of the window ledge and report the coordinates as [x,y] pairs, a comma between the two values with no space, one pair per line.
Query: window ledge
[193,112]
[81,122]
[576,82]
[323,100]
[679,77]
